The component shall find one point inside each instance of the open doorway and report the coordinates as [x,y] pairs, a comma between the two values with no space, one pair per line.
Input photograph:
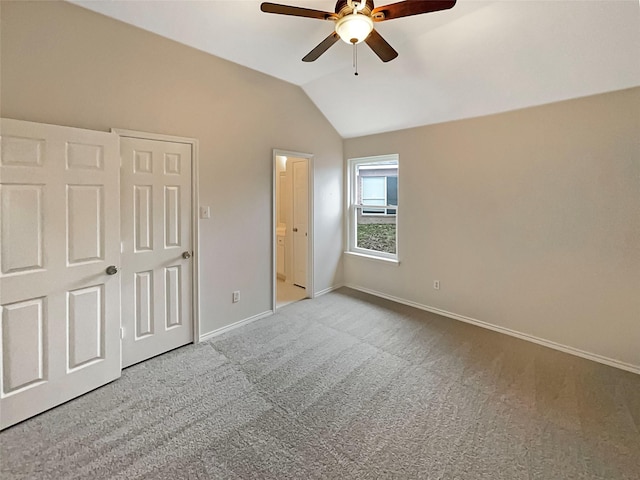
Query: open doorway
[292,221]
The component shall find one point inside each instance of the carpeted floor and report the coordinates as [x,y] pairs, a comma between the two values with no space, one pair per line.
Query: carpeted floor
[344,386]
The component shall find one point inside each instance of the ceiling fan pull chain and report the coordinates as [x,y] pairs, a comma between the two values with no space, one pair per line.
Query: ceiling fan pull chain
[355,58]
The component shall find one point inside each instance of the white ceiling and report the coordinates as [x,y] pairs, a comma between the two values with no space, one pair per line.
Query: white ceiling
[478,58]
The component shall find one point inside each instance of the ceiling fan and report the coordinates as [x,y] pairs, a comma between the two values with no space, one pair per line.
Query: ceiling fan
[354,21]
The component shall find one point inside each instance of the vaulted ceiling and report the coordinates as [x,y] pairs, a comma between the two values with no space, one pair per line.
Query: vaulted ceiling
[479,58]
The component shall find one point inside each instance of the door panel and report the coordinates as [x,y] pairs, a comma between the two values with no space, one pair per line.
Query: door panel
[144,304]
[60,310]
[86,219]
[22,228]
[172,216]
[172,295]
[156,230]
[83,156]
[143,218]
[21,152]
[85,325]
[23,329]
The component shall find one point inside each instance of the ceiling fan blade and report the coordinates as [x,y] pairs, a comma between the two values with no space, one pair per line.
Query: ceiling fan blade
[296,11]
[380,46]
[409,8]
[322,47]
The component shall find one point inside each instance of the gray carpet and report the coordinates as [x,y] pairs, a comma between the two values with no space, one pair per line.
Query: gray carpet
[344,386]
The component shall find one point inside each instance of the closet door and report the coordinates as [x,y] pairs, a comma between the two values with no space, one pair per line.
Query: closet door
[157,248]
[59,259]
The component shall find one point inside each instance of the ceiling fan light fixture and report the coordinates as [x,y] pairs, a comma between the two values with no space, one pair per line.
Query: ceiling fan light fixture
[354,28]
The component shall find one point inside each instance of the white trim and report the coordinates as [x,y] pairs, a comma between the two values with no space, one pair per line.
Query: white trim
[274,235]
[310,218]
[195,237]
[233,326]
[328,290]
[122,132]
[507,331]
[195,208]
[377,258]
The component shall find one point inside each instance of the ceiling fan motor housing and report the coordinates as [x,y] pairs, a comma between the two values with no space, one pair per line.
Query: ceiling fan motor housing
[343,8]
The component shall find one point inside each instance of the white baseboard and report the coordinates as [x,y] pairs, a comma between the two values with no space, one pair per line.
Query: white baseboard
[327,290]
[240,323]
[507,331]
[268,313]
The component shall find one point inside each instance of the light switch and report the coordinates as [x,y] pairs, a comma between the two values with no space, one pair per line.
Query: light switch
[205,212]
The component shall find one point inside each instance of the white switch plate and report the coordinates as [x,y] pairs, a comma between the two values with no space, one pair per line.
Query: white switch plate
[205,212]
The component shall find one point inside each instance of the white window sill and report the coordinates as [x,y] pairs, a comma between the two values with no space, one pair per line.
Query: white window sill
[391,261]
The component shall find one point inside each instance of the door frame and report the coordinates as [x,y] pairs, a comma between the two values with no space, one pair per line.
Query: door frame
[274,222]
[195,208]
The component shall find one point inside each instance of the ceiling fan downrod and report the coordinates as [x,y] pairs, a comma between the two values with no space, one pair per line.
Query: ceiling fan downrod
[356,5]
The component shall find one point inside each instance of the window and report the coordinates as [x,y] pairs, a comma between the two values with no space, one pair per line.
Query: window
[373,206]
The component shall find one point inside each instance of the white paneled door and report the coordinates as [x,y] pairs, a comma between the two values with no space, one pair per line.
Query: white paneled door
[59,285]
[300,221]
[157,252]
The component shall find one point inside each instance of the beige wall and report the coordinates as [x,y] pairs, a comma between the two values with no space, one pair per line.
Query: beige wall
[64,65]
[529,219]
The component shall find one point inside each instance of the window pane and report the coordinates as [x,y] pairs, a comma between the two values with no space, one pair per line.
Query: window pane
[373,191]
[376,233]
[392,190]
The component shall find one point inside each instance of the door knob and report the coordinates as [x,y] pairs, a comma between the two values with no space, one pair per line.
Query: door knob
[295,229]
[186,255]
[111,270]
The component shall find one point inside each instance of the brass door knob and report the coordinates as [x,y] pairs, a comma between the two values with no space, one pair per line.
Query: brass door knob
[186,255]
[111,270]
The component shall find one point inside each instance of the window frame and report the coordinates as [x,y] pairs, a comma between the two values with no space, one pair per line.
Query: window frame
[353,206]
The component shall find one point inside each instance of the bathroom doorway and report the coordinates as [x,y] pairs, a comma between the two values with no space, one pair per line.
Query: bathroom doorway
[292,220]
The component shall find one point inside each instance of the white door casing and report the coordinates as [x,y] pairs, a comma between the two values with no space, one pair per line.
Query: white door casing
[300,171]
[156,217]
[60,310]
[309,287]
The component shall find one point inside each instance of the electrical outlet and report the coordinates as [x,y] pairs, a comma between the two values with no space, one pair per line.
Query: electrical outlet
[236,296]
[436,284]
